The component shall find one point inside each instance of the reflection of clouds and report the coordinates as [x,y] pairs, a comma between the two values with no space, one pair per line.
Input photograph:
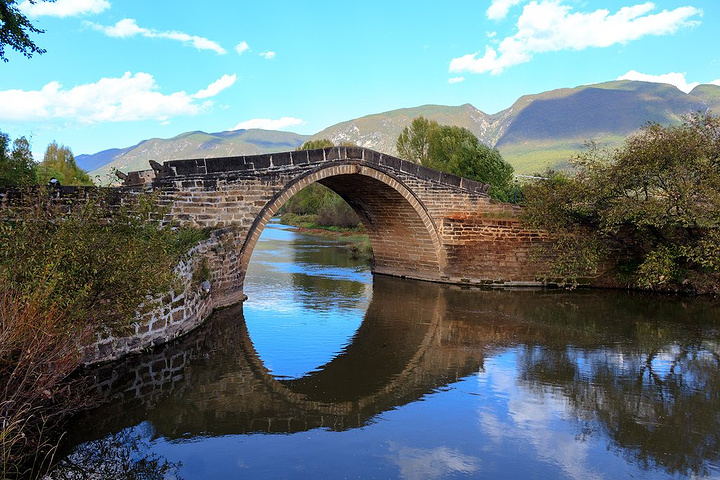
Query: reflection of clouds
[441,462]
[538,414]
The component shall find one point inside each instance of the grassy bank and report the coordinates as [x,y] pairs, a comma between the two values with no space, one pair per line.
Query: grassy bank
[355,238]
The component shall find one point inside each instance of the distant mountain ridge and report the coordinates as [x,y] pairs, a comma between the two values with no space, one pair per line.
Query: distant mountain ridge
[194,144]
[537,131]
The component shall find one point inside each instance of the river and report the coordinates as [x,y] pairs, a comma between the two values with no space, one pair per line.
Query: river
[327,371]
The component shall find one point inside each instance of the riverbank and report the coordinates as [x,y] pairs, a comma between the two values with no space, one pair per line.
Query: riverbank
[356,239]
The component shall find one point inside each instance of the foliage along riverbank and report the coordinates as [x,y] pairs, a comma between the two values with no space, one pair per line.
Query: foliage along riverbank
[645,215]
[66,277]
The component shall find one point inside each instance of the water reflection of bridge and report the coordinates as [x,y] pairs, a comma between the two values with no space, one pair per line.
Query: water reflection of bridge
[652,386]
[214,382]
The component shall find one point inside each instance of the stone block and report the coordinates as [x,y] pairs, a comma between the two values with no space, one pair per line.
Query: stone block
[226,164]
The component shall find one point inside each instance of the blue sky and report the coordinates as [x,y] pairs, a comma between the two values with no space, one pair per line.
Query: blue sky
[117,72]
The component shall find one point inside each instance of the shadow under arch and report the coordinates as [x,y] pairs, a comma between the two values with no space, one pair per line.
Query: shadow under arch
[405,239]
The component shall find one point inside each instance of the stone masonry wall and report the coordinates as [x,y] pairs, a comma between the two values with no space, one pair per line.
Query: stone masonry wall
[464,237]
[488,250]
[175,314]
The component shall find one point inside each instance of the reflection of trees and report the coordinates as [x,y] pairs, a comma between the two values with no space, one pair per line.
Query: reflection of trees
[643,370]
[310,251]
[327,288]
[317,292]
[123,455]
[630,369]
[661,406]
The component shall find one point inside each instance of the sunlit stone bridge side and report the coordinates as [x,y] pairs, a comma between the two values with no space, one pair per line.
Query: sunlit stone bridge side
[422,223]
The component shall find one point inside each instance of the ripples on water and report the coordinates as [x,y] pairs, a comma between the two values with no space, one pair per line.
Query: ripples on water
[327,372]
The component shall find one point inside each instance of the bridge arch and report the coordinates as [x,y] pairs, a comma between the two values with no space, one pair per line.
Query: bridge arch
[405,239]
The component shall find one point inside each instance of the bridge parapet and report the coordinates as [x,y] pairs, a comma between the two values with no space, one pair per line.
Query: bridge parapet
[235,167]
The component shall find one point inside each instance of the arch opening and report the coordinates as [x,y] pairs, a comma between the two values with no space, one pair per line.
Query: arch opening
[405,240]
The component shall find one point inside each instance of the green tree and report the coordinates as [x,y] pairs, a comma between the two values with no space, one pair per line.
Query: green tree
[15,29]
[315,144]
[456,150]
[17,167]
[654,204]
[59,162]
[414,141]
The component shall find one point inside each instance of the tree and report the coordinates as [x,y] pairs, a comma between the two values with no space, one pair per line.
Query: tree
[15,29]
[456,150]
[315,144]
[59,162]
[17,167]
[414,142]
[654,203]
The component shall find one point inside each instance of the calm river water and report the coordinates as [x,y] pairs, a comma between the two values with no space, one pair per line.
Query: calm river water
[329,372]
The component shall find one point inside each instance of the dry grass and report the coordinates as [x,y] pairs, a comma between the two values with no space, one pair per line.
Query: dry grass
[38,354]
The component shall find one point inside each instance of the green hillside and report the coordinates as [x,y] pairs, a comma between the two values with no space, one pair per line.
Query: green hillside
[710,94]
[545,130]
[380,131]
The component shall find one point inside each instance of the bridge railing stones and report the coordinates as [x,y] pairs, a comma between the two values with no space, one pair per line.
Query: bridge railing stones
[208,167]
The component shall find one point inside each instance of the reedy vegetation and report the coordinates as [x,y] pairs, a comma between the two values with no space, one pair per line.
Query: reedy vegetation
[317,205]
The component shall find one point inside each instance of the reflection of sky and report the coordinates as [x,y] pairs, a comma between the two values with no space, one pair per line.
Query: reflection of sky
[290,338]
[489,425]
[492,424]
[540,423]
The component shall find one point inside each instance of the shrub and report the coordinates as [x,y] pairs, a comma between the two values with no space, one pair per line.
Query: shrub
[69,272]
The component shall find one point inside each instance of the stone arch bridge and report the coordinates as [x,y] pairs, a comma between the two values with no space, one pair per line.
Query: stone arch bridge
[422,223]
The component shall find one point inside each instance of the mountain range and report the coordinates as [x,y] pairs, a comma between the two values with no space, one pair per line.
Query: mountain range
[537,131]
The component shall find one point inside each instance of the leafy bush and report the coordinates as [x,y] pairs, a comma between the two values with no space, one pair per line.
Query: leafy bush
[653,203]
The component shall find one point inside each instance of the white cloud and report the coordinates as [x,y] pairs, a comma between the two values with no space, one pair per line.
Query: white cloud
[672,78]
[499,9]
[551,26]
[217,86]
[127,28]
[456,80]
[268,55]
[269,124]
[242,47]
[63,8]
[127,98]
[425,463]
